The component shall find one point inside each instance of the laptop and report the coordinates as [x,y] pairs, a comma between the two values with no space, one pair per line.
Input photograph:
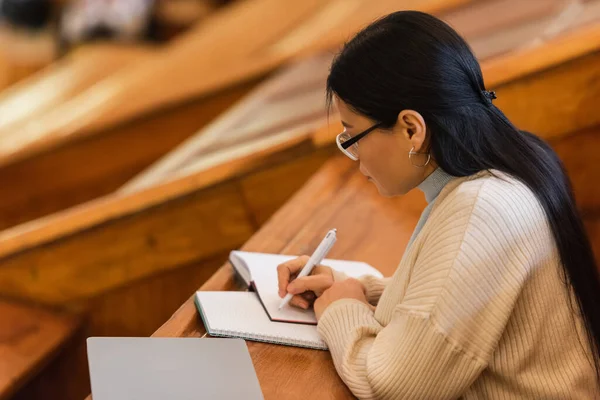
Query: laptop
[171,369]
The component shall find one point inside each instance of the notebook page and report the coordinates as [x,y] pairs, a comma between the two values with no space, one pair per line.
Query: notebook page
[259,261]
[263,269]
[240,267]
[240,314]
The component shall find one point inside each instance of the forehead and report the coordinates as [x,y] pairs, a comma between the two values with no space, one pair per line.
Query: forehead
[344,109]
[349,117]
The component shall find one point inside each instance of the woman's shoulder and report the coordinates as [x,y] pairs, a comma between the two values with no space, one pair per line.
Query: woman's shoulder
[491,194]
[494,212]
[493,186]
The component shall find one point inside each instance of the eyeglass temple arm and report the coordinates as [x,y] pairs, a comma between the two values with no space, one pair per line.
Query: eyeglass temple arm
[356,138]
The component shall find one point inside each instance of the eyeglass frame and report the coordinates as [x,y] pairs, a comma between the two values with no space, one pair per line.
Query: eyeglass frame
[354,139]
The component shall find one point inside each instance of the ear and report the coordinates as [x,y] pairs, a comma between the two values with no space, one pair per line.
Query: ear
[413,128]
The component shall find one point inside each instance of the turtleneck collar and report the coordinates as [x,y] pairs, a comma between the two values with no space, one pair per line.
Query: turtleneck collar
[434,183]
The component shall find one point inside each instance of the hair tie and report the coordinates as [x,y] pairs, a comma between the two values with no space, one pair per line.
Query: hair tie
[489,95]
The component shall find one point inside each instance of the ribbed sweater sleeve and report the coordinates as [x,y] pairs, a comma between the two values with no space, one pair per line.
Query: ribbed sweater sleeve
[373,285]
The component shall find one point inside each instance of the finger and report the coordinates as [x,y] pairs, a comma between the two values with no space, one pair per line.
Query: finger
[315,283]
[286,270]
[298,301]
[309,296]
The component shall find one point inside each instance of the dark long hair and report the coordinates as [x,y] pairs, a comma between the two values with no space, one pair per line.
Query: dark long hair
[412,60]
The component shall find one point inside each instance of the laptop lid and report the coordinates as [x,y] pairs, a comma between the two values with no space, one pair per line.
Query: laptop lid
[171,368]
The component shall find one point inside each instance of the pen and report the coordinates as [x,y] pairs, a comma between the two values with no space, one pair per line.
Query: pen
[314,260]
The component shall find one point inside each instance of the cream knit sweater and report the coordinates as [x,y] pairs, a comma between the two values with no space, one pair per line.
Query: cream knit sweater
[476,309]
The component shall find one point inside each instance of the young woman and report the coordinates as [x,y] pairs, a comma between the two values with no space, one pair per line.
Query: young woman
[497,295]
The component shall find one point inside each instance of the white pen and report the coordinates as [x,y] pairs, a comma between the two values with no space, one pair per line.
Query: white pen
[314,260]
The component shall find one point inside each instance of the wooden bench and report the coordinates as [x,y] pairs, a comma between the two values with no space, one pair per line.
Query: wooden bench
[139,114]
[525,78]
[23,53]
[175,17]
[62,80]
[29,339]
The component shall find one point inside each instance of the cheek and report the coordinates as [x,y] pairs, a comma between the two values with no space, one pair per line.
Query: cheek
[386,164]
[372,158]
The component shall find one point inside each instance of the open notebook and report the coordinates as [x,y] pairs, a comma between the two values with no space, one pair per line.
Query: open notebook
[259,271]
[240,315]
[255,315]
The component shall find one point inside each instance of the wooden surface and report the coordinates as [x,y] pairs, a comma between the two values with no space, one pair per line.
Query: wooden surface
[29,338]
[23,53]
[139,114]
[60,81]
[536,104]
[300,28]
[285,107]
[237,40]
[30,194]
[292,102]
[95,258]
[279,111]
[579,153]
[94,166]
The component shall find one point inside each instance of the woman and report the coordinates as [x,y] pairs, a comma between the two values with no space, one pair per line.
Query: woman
[497,295]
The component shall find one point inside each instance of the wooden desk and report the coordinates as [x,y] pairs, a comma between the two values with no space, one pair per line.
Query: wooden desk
[29,338]
[370,228]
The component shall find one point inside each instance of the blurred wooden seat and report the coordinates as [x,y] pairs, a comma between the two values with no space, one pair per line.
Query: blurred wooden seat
[29,338]
[23,53]
[174,17]
[141,113]
[292,103]
[64,79]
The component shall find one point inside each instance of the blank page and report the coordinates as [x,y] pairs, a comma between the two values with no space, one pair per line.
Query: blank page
[240,314]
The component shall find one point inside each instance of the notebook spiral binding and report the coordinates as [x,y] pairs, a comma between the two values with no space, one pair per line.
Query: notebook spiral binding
[267,338]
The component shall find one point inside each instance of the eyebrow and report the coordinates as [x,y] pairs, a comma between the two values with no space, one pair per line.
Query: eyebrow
[347,125]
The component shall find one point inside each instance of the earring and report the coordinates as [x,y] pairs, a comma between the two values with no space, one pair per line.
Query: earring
[412,152]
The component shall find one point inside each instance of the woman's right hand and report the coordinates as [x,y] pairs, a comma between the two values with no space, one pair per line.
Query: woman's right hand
[307,288]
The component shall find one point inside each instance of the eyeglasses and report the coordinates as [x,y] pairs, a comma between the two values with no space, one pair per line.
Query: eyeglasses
[349,144]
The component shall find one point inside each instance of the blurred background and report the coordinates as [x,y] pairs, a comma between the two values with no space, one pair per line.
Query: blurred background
[34,33]
[143,140]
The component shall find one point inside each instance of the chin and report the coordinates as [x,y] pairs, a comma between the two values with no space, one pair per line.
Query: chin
[390,193]
[382,191]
